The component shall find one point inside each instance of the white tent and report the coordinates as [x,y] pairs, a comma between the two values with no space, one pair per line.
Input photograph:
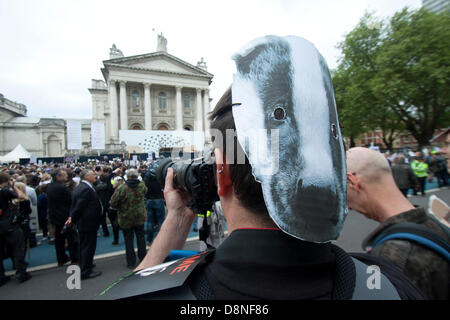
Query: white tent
[19,152]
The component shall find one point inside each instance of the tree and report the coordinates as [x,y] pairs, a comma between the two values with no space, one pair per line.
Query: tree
[415,71]
[394,76]
[360,109]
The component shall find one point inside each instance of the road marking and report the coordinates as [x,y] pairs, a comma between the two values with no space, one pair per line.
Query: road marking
[96,257]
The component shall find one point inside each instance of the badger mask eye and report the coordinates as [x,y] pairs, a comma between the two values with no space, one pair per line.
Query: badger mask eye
[279,113]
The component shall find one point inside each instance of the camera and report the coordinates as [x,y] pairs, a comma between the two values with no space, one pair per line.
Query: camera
[195,176]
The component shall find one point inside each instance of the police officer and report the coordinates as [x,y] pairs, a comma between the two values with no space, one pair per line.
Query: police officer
[10,232]
[420,169]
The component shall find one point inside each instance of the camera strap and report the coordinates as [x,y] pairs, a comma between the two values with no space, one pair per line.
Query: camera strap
[170,277]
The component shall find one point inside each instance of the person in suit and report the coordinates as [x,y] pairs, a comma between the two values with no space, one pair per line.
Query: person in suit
[59,200]
[86,213]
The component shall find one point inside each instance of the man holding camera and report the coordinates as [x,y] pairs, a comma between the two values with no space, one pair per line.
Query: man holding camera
[280,221]
[59,200]
[10,232]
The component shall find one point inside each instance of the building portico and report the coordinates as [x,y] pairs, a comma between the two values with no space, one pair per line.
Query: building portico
[154,91]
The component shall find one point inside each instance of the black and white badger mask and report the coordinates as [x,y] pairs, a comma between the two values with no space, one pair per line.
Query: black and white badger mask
[286,122]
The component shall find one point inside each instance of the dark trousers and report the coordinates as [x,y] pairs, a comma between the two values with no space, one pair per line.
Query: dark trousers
[60,241]
[422,182]
[155,217]
[405,192]
[128,235]
[43,224]
[442,178]
[112,215]
[15,240]
[88,244]
[103,223]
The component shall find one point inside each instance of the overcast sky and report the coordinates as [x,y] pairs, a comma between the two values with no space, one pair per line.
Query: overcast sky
[50,50]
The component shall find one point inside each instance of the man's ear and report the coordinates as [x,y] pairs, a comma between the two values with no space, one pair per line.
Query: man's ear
[224,183]
[352,181]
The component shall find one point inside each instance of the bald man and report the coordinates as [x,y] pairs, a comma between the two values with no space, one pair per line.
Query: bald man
[371,190]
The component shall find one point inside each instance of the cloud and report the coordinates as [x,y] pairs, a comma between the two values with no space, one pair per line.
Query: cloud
[54,48]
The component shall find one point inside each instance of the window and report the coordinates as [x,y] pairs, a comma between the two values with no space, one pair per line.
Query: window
[188,128]
[136,126]
[135,100]
[186,101]
[162,101]
[163,127]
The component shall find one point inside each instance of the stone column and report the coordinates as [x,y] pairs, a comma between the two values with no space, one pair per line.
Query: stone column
[179,109]
[147,107]
[199,112]
[206,111]
[123,106]
[113,110]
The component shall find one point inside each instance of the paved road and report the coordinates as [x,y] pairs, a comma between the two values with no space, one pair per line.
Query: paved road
[51,283]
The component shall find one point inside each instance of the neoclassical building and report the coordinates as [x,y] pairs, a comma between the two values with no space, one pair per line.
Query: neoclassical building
[153,91]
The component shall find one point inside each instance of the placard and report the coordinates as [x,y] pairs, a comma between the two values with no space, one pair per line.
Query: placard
[97,135]
[73,135]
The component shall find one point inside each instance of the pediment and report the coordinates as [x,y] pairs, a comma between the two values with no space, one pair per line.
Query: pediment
[160,61]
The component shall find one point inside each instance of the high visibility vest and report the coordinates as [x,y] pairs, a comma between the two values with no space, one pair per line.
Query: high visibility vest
[419,168]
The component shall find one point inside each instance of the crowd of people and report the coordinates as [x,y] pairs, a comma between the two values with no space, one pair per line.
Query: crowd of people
[411,171]
[89,195]
[74,203]
[280,226]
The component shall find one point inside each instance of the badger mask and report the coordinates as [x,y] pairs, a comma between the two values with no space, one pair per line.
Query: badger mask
[286,122]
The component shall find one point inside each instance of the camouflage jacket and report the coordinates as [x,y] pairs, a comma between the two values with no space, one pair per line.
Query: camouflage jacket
[428,270]
[129,200]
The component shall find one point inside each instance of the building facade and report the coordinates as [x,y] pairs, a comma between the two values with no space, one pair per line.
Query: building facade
[154,91]
[437,6]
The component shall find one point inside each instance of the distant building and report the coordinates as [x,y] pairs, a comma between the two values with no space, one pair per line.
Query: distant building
[153,91]
[42,137]
[436,6]
[402,142]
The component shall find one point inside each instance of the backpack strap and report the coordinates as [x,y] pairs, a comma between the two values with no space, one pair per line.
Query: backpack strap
[385,291]
[417,233]
[351,280]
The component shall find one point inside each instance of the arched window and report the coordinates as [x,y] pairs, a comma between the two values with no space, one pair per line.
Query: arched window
[162,101]
[188,128]
[186,101]
[136,126]
[135,100]
[163,126]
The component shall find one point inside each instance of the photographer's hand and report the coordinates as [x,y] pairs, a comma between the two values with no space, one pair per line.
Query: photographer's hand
[175,228]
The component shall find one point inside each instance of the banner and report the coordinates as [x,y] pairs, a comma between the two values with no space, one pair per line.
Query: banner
[97,135]
[73,135]
[149,141]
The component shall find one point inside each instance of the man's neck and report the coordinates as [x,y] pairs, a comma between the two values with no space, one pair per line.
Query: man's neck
[239,217]
[388,202]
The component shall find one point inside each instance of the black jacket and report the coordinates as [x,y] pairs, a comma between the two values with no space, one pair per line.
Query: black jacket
[59,199]
[404,177]
[104,193]
[86,209]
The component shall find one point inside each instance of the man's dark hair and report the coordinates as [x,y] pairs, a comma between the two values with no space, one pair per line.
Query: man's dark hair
[55,173]
[247,189]
[104,177]
[4,177]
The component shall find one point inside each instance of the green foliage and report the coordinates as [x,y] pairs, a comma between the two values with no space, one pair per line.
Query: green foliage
[394,76]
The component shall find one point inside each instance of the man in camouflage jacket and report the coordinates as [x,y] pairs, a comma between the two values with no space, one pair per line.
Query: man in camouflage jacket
[371,191]
[129,200]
